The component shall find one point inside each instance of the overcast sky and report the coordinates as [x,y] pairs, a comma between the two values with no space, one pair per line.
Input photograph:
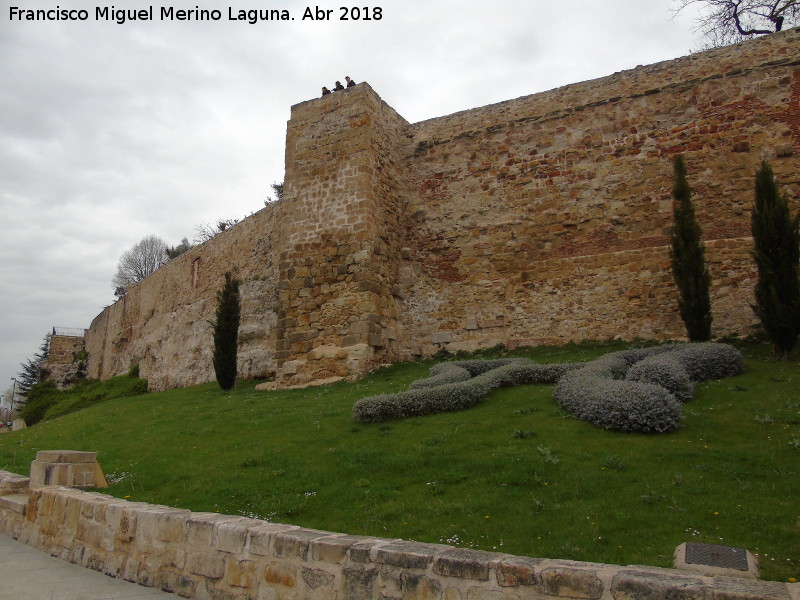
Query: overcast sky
[110,132]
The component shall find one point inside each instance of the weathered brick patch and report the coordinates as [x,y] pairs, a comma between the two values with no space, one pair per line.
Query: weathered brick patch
[208,555]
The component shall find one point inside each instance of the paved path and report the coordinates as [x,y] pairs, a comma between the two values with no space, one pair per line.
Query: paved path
[27,574]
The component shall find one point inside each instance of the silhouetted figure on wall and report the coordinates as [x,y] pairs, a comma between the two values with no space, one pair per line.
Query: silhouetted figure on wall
[350,82]
[325,91]
[339,87]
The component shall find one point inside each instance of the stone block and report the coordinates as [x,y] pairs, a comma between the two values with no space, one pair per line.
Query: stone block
[464,563]
[517,570]
[294,543]
[316,578]
[231,536]
[90,533]
[370,286]
[441,337]
[333,549]
[638,584]
[363,552]
[11,483]
[281,573]
[65,456]
[241,573]
[177,581]
[419,587]
[737,588]
[68,468]
[570,582]
[15,503]
[260,538]
[353,339]
[111,512]
[358,584]
[200,528]
[290,367]
[161,523]
[408,555]
[205,564]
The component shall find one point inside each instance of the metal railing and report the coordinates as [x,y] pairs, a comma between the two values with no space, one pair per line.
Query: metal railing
[69,331]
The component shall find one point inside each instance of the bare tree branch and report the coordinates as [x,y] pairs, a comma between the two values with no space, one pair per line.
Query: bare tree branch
[140,261]
[723,22]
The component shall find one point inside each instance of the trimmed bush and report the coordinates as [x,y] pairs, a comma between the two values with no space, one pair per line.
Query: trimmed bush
[710,360]
[441,374]
[666,371]
[618,404]
[640,390]
[448,390]
[637,390]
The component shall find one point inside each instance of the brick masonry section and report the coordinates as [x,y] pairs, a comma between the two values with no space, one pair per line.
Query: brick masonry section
[543,219]
[224,557]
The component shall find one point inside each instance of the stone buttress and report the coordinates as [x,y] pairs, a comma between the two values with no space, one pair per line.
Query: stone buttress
[340,236]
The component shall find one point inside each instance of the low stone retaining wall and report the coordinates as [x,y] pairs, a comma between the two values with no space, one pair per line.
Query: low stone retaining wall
[211,556]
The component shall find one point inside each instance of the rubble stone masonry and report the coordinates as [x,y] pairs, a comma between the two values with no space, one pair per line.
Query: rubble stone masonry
[543,219]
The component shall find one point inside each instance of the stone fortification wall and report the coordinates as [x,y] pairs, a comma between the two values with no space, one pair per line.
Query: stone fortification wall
[537,220]
[65,362]
[546,218]
[209,555]
[340,235]
[162,324]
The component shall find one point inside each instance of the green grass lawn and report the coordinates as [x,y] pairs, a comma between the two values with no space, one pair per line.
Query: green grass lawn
[513,474]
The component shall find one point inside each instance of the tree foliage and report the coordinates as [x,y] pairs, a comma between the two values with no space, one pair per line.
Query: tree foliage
[205,232]
[689,267]
[776,235]
[226,332]
[143,259]
[723,22]
[277,189]
[176,251]
[29,376]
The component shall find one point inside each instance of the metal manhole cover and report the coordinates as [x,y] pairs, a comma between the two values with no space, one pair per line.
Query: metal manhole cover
[727,557]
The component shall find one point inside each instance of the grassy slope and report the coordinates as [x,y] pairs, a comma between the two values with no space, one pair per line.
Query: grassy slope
[513,474]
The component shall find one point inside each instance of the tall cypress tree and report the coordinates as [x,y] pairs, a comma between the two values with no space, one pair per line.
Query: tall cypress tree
[777,254]
[226,332]
[689,268]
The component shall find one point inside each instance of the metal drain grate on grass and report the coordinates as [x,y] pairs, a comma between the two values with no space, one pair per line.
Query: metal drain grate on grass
[712,555]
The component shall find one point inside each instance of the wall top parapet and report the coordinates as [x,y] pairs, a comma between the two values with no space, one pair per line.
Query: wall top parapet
[645,80]
[334,100]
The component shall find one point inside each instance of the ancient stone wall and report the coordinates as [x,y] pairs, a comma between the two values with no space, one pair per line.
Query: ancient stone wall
[546,218]
[543,219]
[163,323]
[65,362]
[210,555]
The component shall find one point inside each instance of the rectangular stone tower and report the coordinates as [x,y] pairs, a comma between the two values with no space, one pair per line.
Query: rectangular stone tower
[339,242]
